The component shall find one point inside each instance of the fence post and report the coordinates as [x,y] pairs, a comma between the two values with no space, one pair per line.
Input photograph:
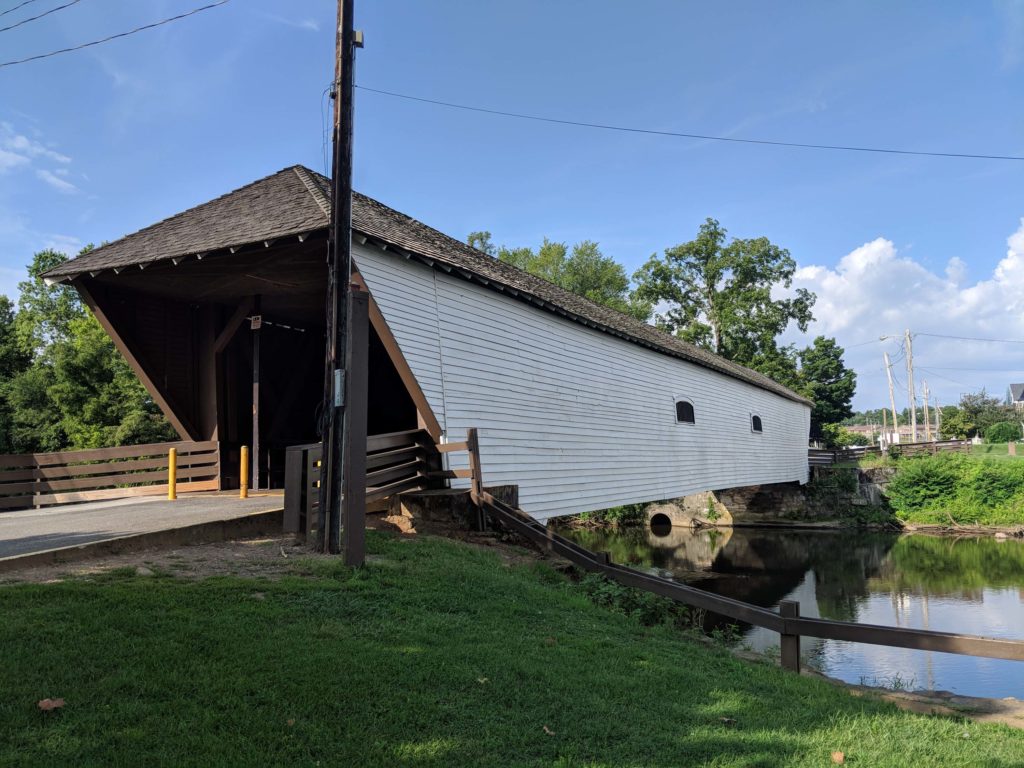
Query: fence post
[243,474]
[790,609]
[476,484]
[172,474]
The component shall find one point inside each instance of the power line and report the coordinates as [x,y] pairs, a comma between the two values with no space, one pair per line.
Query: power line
[650,131]
[114,37]
[970,338]
[19,5]
[39,16]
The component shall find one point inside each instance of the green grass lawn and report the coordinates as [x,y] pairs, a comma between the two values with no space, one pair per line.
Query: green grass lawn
[437,653]
[996,451]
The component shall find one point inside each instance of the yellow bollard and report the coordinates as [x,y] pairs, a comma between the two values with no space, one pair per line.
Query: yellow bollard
[243,485]
[172,474]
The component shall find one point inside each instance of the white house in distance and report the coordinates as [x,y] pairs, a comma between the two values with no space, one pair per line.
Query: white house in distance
[580,406]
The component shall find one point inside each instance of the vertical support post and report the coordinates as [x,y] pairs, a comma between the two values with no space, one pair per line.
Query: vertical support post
[243,474]
[255,324]
[476,482]
[353,494]
[172,474]
[790,609]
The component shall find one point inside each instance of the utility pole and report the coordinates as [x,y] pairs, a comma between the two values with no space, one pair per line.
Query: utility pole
[334,466]
[911,396]
[938,420]
[892,398]
[927,417]
[885,429]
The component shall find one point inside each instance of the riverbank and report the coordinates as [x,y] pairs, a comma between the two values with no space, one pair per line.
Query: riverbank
[437,653]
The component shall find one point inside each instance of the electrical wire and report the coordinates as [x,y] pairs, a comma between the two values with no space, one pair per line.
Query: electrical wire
[39,16]
[676,134]
[114,37]
[970,338]
[19,5]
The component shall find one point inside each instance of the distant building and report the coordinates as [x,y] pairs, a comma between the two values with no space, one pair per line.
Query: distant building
[1016,396]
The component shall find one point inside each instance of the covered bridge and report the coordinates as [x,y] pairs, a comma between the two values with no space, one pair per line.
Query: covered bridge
[579,405]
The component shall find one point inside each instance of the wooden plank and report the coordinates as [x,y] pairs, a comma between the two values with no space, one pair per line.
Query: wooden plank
[452,447]
[102,481]
[60,472]
[233,324]
[18,502]
[375,494]
[294,489]
[384,476]
[389,440]
[185,447]
[918,639]
[385,458]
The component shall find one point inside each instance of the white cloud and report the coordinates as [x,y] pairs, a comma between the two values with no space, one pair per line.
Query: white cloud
[55,181]
[26,147]
[10,160]
[875,290]
[309,24]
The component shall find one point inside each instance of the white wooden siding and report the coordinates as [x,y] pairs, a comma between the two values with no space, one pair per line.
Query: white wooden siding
[577,418]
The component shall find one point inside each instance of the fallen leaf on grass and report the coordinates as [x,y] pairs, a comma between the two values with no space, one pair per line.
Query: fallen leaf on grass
[838,758]
[550,641]
[548,731]
[48,705]
[482,680]
[290,721]
[728,720]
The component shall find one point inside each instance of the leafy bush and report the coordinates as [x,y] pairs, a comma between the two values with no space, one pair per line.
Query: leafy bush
[953,487]
[1002,432]
[629,514]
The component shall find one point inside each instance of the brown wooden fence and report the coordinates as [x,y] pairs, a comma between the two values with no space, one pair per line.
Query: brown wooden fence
[43,479]
[787,621]
[395,462]
[826,458]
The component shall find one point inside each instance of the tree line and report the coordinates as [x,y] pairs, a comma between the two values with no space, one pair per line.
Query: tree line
[978,414]
[731,297]
[63,383]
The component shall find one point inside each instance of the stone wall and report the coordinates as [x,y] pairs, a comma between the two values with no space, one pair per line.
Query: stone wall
[834,496]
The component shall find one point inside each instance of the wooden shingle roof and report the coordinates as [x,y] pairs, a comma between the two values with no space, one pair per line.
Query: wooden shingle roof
[295,201]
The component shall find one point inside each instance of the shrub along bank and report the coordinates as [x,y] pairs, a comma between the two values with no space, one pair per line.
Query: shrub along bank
[953,488]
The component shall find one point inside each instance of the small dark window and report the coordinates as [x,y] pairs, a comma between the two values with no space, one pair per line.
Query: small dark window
[755,424]
[684,412]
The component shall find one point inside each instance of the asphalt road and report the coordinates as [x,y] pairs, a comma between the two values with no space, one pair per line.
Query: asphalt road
[68,525]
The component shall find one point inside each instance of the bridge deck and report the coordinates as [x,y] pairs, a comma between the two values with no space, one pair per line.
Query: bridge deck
[72,524]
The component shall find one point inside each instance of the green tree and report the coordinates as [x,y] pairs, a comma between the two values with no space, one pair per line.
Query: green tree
[719,295]
[77,391]
[1003,432]
[984,410]
[956,424]
[827,381]
[583,270]
[14,359]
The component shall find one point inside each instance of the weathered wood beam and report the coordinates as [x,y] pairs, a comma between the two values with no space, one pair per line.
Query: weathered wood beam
[427,418]
[182,425]
[234,323]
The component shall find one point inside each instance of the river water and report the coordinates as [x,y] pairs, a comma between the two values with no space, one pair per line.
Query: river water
[967,585]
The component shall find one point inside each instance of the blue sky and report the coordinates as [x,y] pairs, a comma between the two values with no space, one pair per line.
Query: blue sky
[99,143]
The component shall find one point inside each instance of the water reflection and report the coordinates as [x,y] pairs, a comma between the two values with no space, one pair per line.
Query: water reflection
[968,585]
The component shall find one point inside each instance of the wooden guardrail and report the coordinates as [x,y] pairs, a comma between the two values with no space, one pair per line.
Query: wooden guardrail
[395,462]
[43,479]
[826,458]
[787,621]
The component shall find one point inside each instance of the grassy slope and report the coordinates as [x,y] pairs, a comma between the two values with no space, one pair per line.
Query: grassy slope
[435,654]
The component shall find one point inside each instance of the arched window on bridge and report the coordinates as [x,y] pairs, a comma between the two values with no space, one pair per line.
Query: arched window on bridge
[755,423]
[684,412]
